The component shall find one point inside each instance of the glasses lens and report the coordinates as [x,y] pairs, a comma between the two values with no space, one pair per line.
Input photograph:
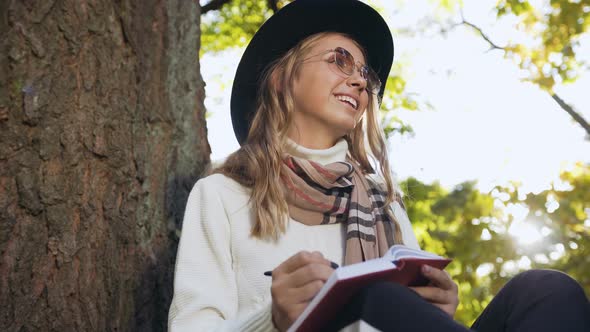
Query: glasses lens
[373,82]
[344,60]
[346,63]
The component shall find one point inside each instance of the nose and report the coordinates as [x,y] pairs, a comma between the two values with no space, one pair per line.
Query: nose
[356,80]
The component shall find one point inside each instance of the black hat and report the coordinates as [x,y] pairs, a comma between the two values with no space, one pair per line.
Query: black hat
[295,22]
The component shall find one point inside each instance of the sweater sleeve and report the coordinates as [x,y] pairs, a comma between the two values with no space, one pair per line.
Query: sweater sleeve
[205,291]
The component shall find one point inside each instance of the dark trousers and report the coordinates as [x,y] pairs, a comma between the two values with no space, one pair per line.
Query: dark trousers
[535,300]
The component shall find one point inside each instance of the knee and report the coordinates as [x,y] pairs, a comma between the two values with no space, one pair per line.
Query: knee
[547,282]
[549,279]
[376,301]
[386,294]
[385,291]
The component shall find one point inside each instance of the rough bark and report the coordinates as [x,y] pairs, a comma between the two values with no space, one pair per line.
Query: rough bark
[102,135]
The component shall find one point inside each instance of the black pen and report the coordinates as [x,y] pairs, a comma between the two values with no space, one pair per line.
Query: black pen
[332,264]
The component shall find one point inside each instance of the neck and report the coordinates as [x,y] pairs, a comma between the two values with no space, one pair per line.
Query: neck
[317,141]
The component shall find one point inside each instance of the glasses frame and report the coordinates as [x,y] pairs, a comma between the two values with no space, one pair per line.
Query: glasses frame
[366,73]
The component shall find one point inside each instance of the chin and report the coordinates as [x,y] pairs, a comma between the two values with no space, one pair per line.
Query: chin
[345,128]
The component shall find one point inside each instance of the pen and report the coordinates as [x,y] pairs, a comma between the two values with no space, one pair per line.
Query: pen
[332,264]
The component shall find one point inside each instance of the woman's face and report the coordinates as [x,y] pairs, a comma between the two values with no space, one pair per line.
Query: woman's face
[328,103]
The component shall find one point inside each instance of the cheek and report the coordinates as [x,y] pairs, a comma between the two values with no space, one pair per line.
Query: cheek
[364,101]
[312,86]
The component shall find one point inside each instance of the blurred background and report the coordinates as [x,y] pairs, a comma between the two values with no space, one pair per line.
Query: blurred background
[486,113]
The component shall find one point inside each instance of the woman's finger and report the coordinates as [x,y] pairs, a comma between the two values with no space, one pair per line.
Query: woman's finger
[308,291]
[439,277]
[309,272]
[296,261]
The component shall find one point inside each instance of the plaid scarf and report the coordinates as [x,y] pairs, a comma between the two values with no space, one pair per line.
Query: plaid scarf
[340,192]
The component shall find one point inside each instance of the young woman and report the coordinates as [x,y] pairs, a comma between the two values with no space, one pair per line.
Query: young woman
[310,185]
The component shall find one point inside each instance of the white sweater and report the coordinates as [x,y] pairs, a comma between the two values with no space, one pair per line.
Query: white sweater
[219,283]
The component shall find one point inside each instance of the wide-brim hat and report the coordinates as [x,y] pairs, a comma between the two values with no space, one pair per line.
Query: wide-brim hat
[293,23]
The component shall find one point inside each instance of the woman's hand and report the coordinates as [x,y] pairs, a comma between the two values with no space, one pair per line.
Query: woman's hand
[294,283]
[442,290]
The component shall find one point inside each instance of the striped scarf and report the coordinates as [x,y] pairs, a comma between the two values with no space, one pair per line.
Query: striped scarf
[340,193]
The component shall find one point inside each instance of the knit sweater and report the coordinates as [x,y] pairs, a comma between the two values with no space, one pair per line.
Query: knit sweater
[219,283]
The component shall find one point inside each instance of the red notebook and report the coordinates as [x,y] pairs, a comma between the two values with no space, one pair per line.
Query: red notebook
[400,264]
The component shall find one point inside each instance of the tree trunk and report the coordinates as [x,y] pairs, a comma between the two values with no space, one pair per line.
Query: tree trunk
[102,135]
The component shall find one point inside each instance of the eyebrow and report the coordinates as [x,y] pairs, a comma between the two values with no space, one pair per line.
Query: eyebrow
[355,58]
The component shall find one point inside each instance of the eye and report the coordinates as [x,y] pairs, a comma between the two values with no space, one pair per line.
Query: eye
[364,72]
[344,63]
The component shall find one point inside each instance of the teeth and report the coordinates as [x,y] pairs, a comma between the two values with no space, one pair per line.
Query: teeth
[347,99]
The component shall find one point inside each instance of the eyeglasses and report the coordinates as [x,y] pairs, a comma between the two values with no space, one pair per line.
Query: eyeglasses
[346,63]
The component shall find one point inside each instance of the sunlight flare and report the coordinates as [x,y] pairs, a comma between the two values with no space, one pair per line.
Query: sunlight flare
[525,232]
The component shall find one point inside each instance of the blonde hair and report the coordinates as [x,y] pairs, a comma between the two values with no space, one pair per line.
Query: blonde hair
[257,164]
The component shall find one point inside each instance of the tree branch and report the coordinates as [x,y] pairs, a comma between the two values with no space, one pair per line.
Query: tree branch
[577,117]
[213,5]
[493,46]
[565,106]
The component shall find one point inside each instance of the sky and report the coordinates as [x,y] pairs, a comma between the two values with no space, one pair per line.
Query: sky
[486,124]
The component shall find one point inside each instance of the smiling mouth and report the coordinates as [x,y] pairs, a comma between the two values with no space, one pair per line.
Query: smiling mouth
[348,100]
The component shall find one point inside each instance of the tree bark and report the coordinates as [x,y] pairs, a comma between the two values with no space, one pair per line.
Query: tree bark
[102,135]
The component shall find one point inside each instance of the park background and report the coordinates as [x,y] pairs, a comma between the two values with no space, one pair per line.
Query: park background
[495,172]
[111,110]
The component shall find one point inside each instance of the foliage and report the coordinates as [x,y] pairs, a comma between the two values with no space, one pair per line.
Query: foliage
[556,27]
[552,30]
[233,25]
[396,97]
[567,211]
[477,230]
[545,43]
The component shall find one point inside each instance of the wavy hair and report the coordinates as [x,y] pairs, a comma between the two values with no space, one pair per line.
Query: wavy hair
[257,164]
